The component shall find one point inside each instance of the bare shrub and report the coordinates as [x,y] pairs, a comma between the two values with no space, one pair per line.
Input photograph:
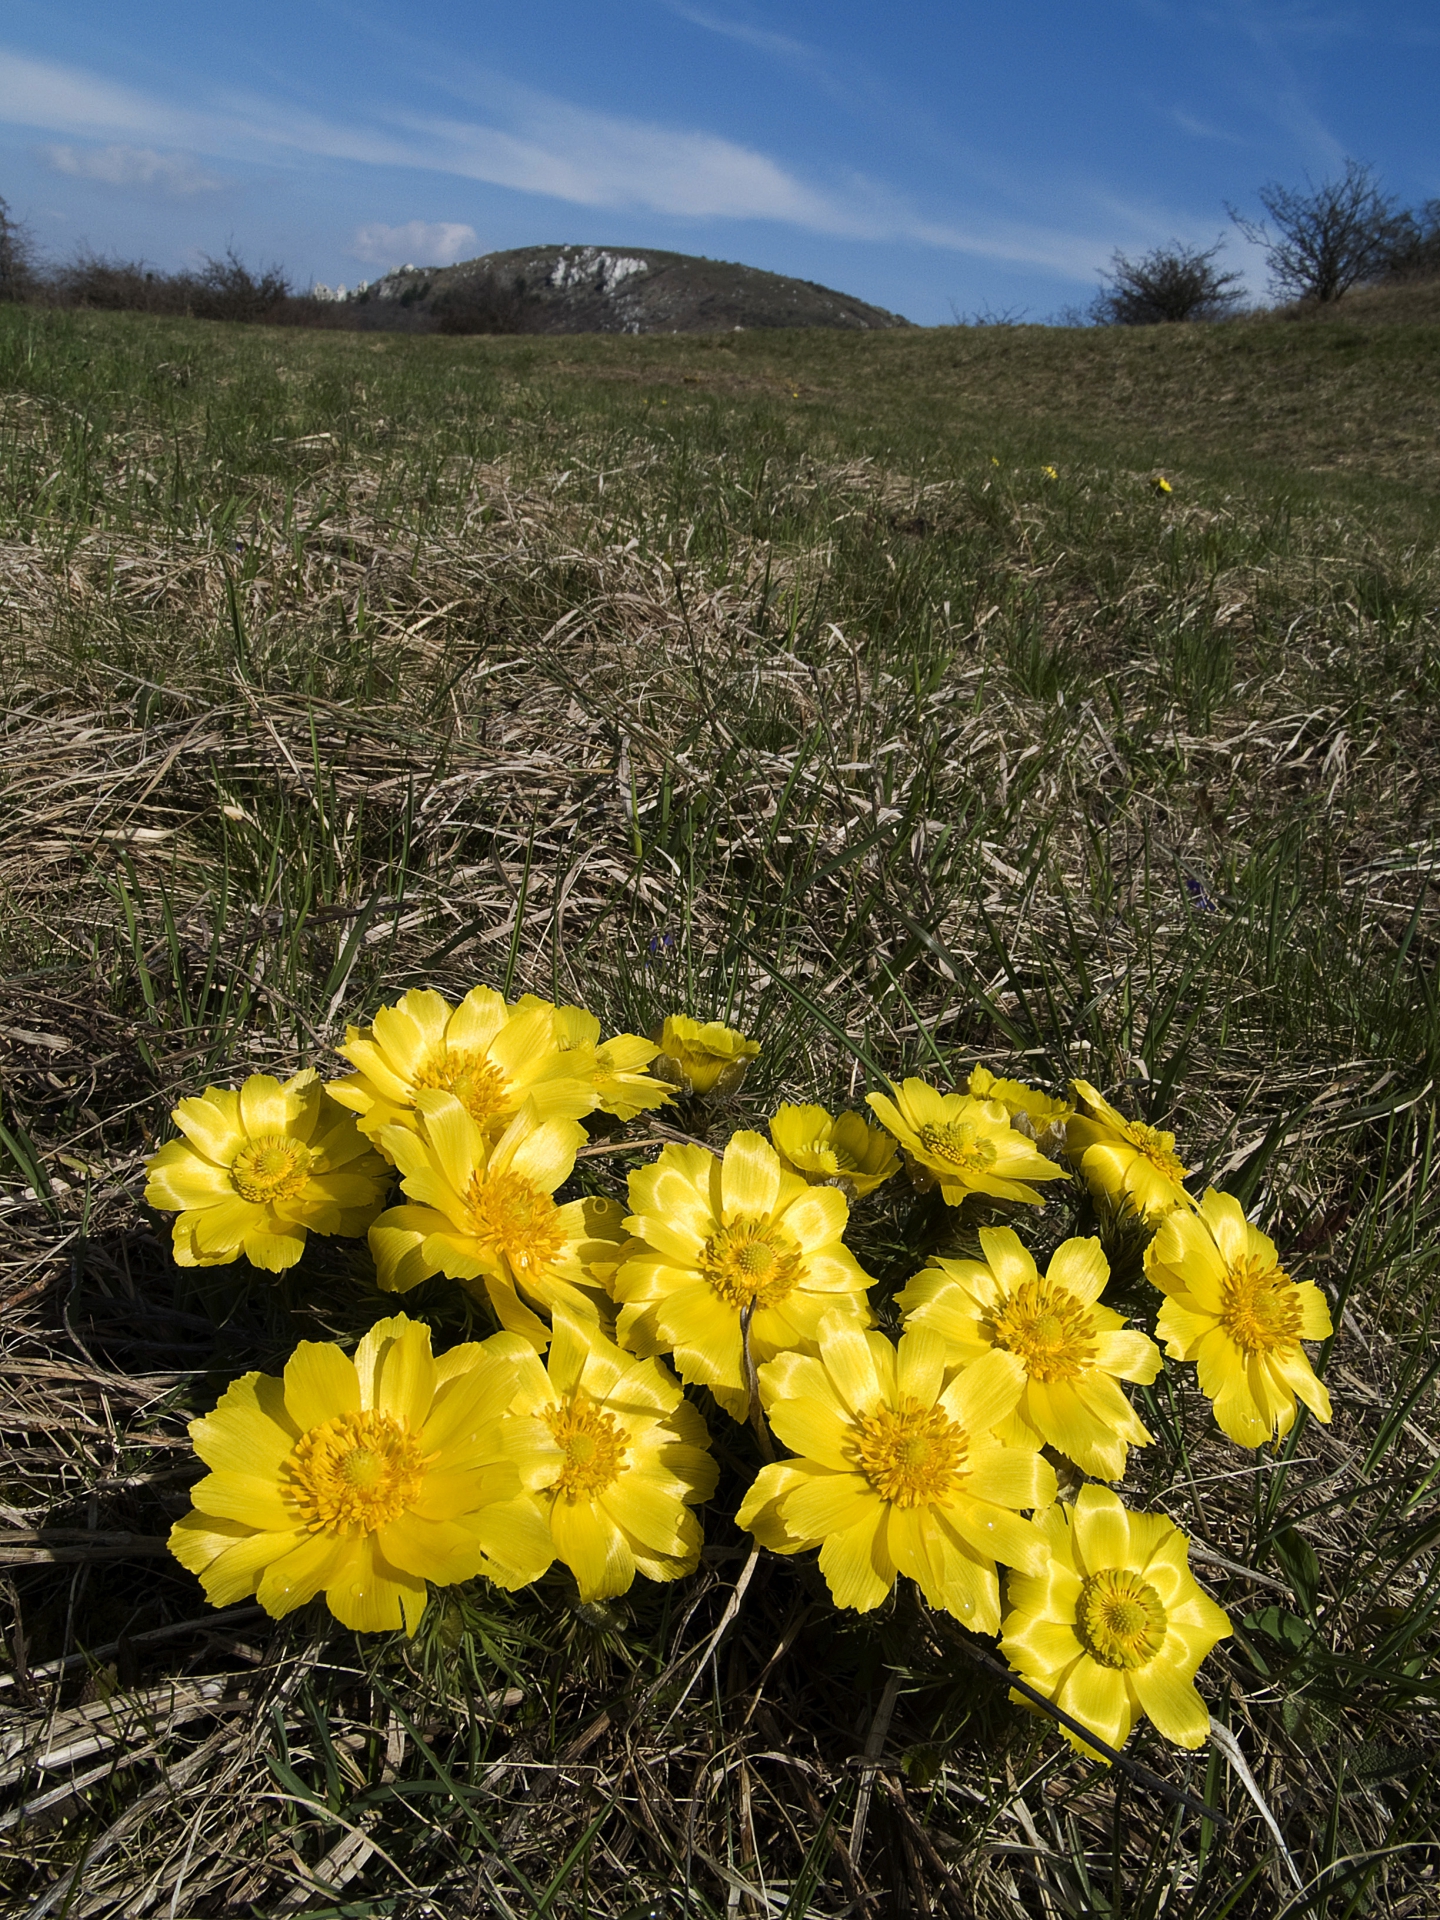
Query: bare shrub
[17,265]
[1168,284]
[1327,239]
[484,304]
[1413,247]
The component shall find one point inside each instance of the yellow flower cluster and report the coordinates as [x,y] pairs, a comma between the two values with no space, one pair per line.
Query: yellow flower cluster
[566,1436]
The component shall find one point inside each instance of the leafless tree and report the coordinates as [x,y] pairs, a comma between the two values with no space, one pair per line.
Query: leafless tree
[1328,238]
[1167,284]
[1413,250]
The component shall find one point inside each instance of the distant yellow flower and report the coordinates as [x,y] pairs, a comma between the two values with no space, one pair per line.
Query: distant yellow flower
[259,1169]
[1073,1350]
[843,1148]
[1050,473]
[617,1459]
[622,1086]
[1233,1309]
[968,1145]
[1044,1115]
[704,1056]
[361,1479]
[715,1237]
[1125,1162]
[484,1215]
[899,1473]
[1160,484]
[492,1057]
[1114,1627]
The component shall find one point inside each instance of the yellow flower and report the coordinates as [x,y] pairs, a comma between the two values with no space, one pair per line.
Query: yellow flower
[1234,1310]
[259,1169]
[857,1157]
[361,1479]
[618,1458]
[968,1145]
[1050,473]
[716,1238]
[491,1057]
[622,1086]
[1125,1162]
[899,1473]
[1042,1113]
[1114,1627]
[1160,484]
[485,1215]
[703,1057]
[1072,1349]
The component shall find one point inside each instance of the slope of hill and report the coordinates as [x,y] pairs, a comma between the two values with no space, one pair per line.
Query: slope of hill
[603,290]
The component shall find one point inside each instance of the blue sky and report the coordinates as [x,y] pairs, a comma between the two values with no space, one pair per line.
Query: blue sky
[931,158]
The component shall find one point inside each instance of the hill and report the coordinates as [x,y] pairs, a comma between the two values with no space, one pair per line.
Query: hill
[603,290]
[862,689]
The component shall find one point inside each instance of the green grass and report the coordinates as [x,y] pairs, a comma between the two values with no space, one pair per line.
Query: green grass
[768,677]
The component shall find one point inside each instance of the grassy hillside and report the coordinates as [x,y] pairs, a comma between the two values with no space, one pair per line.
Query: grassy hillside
[865,691]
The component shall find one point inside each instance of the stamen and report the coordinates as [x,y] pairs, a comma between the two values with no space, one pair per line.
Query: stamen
[1120,1619]
[912,1455]
[272,1167]
[1259,1307]
[594,1445]
[751,1261]
[353,1473]
[1048,1328]
[520,1220]
[480,1087]
[958,1144]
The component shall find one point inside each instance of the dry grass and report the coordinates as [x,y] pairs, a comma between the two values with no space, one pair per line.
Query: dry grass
[332,668]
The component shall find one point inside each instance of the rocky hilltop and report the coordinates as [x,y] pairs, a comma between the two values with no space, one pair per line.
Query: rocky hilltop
[598,290]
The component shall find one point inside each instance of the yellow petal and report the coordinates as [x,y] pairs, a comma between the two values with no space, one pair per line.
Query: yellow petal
[1007,1258]
[212,1123]
[814,1430]
[1172,1703]
[320,1382]
[1081,1268]
[1010,1477]
[750,1177]
[367,1594]
[249,1430]
[430,1549]
[853,1364]
[857,1565]
[983,1393]
[264,1106]
[296,1577]
[274,1252]
[1101,1531]
[1096,1696]
[829,1504]
[593,1547]
[248,1497]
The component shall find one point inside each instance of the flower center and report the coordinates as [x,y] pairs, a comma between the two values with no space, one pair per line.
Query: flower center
[274,1167]
[1048,1328]
[958,1144]
[911,1455]
[594,1445]
[751,1261]
[355,1472]
[1120,1619]
[1259,1307]
[1156,1147]
[480,1087]
[517,1218]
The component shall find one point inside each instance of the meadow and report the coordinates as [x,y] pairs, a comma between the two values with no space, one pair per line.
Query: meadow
[865,692]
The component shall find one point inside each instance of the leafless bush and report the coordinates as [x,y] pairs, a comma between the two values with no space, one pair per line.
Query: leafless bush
[1168,284]
[1327,239]
[17,266]
[484,304]
[1413,248]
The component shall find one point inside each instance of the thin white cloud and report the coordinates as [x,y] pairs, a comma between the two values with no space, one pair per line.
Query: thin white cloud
[142,167]
[1203,130]
[544,146]
[430,243]
[779,44]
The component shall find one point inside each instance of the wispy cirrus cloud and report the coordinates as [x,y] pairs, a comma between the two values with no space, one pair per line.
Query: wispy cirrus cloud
[532,143]
[431,243]
[143,167]
[729,28]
